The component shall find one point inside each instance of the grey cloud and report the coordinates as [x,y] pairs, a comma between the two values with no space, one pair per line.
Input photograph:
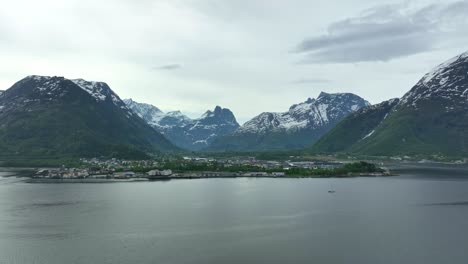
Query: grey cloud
[168,67]
[457,9]
[384,33]
[371,50]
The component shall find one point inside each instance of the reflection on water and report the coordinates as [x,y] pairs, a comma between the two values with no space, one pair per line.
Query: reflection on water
[407,219]
[11,173]
[51,204]
[449,203]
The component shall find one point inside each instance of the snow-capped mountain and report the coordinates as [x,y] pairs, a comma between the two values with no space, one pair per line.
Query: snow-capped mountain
[192,134]
[448,81]
[100,91]
[54,88]
[431,119]
[157,118]
[47,116]
[313,113]
[300,126]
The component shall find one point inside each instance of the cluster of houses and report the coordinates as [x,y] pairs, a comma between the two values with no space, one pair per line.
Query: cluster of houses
[62,173]
[267,164]
[112,164]
[74,173]
[284,165]
[221,174]
[92,173]
[122,169]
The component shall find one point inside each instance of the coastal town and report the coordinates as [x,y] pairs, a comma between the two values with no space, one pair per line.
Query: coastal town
[194,167]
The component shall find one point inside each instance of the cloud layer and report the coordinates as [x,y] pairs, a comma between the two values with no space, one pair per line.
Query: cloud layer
[168,67]
[386,32]
[191,55]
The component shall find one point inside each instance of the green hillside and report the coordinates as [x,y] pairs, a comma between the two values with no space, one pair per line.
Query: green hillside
[354,128]
[431,119]
[53,117]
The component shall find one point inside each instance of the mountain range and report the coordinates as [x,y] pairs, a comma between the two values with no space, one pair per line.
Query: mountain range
[43,116]
[431,119]
[184,132]
[299,127]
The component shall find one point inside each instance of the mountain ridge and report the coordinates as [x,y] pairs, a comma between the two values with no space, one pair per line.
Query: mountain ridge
[187,133]
[297,128]
[50,116]
[430,119]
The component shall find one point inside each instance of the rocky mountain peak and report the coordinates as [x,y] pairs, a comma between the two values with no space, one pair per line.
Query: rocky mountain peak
[300,126]
[149,113]
[448,81]
[446,67]
[430,120]
[218,109]
[98,90]
[193,134]
[326,109]
[54,87]
[219,114]
[323,94]
[72,117]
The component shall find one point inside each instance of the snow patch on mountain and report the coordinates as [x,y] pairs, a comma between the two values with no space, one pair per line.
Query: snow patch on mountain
[313,113]
[45,85]
[53,87]
[193,134]
[368,135]
[151,114]
[444,67]
[95,89]
[100,91]
[448,80]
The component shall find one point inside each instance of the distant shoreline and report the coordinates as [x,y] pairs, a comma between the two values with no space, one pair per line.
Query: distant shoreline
[396,169]
[186,177]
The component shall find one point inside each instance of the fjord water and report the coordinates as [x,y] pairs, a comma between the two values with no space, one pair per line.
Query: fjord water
[412,218]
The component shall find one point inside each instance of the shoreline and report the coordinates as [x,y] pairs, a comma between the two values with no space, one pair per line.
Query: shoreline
[191,177]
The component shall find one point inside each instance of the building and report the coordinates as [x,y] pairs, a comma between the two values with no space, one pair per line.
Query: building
[255,174]
[124,175]
[159,173]
[278,174]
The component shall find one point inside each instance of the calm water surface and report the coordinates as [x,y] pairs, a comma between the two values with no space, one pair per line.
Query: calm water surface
[413,218]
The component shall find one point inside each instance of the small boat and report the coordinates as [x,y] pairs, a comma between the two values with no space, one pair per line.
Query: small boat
[331,191]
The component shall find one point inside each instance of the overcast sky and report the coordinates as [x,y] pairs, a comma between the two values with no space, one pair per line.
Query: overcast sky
[251,56]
